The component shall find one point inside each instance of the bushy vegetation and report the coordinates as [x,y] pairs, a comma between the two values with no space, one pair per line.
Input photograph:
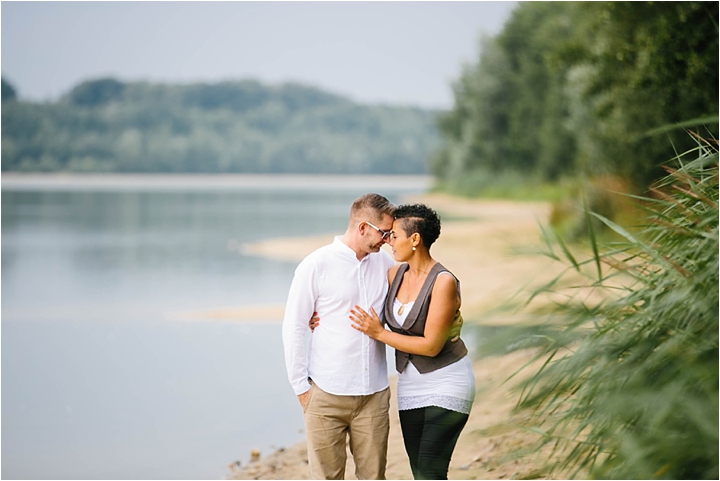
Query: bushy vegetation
[629,389]
[105,125]
[576,89]
[8,91]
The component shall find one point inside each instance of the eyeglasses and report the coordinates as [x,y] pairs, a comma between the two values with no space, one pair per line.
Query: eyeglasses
[385,233]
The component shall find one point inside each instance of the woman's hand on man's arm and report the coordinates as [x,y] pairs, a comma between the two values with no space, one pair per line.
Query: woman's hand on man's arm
[315,322]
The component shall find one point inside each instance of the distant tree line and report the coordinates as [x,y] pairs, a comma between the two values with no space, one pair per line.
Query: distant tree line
[578,88]
[105,125]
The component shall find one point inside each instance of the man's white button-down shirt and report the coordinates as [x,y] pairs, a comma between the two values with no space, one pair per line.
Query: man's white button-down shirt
[339,359]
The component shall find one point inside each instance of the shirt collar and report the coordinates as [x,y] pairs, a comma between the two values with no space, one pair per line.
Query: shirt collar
[343,249]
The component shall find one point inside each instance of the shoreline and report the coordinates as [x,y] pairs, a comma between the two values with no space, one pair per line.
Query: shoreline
[184,181]
[493,248]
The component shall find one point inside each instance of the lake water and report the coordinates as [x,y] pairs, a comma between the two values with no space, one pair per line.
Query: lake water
[98,380]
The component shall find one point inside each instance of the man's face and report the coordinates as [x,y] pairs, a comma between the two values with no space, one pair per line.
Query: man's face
[374,238]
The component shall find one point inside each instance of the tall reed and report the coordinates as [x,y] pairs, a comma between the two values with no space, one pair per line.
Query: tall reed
[629,387]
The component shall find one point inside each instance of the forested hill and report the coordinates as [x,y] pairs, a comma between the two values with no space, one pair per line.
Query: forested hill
[106,125]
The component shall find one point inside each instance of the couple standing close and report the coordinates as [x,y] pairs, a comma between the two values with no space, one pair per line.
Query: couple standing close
[341,378]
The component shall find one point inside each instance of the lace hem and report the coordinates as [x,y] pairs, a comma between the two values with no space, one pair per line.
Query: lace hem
[446,402]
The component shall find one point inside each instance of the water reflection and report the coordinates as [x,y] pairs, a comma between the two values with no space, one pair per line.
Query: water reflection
[96,383]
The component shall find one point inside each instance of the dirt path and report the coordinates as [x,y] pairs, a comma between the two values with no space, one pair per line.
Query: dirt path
[492,248]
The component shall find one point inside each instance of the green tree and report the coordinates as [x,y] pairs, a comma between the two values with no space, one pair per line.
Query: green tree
[650,64]
[510,111]
[97,92]
[531,39]
[8,91]
[476,129]
[575,88]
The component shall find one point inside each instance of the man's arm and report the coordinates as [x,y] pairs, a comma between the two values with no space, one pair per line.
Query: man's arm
[299,308]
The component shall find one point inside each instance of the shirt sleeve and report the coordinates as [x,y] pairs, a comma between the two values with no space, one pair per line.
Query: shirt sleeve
[298,311]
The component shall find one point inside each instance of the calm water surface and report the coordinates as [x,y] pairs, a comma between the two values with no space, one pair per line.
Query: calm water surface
[98,381]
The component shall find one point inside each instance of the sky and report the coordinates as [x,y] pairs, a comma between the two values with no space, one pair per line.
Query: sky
[399,53]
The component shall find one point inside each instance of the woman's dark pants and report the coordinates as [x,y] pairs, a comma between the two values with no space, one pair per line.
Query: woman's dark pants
[430,435]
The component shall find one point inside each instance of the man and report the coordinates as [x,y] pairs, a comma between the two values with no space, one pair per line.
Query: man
[341,381]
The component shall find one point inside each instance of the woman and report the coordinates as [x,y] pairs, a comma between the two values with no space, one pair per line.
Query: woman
[436,384]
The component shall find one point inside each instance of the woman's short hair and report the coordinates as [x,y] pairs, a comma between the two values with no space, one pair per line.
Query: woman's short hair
[421,219]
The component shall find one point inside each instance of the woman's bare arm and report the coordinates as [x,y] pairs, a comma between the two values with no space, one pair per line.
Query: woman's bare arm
[444,304]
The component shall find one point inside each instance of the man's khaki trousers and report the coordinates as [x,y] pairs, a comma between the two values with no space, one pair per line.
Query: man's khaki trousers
[330,420]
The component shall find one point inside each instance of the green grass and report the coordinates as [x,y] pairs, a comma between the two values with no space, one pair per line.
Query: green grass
[508,186]
[636,395]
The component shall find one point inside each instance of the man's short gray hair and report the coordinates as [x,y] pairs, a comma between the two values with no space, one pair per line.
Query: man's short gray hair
[374,205]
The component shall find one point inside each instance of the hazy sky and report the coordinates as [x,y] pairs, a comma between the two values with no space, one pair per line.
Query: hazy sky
[389,52]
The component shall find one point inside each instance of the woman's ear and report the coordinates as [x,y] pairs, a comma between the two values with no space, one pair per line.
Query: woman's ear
[416,239]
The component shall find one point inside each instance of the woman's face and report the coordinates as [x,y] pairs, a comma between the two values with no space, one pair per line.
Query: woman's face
[400,242]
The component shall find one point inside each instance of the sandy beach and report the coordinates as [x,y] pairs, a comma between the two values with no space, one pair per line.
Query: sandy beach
[492,247]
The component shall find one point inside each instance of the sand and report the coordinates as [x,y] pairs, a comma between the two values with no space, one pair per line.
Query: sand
[493,248]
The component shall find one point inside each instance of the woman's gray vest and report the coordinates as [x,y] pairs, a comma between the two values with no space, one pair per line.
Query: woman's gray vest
[414,325]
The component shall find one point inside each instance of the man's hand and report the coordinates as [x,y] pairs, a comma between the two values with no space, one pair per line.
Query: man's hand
[454,334]
[303,398]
